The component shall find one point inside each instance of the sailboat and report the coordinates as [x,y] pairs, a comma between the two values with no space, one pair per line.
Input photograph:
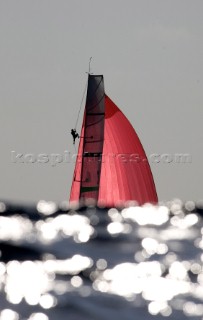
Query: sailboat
[111,167]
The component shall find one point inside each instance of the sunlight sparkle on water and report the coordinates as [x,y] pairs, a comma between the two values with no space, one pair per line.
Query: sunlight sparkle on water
[196,268]
[64,225]
[14,228]
[47,301]
[185,222]
[38,316]
[191,308]
[114,215]
[72,266]
[190,205]
[152,246]
[128,279]
[27,280]
[75,225]
[47,232]
[2,207]
[101,264]
[8,314]
[115,227]
[178,271]
[164,289]
[147,214]
[148,256]
[76,281]
[46,207]
[2,269]
[159,307]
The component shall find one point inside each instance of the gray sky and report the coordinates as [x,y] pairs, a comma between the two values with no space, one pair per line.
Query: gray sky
[150,53]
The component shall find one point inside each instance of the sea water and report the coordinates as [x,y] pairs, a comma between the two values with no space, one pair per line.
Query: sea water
[93,263]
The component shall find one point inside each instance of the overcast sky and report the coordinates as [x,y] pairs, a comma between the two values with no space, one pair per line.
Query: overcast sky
[150,53]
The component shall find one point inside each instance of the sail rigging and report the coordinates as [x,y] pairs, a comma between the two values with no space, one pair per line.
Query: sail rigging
[111,166]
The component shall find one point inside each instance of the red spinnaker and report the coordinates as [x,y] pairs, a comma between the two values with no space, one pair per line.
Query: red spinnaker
[125,172]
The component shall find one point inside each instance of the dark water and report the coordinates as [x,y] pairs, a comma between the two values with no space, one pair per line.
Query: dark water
[136,263]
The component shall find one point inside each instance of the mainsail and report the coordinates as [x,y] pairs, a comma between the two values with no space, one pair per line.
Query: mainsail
[111,166]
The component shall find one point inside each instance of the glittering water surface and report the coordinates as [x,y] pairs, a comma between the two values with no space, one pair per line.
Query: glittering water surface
[135,263]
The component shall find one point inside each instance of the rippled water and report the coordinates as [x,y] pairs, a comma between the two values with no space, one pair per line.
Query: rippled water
[135,263]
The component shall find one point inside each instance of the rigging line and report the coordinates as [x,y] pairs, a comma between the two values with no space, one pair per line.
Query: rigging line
[90,64]
[83,94]
[81,104]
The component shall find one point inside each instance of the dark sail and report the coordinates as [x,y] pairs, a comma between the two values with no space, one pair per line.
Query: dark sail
[93,139]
